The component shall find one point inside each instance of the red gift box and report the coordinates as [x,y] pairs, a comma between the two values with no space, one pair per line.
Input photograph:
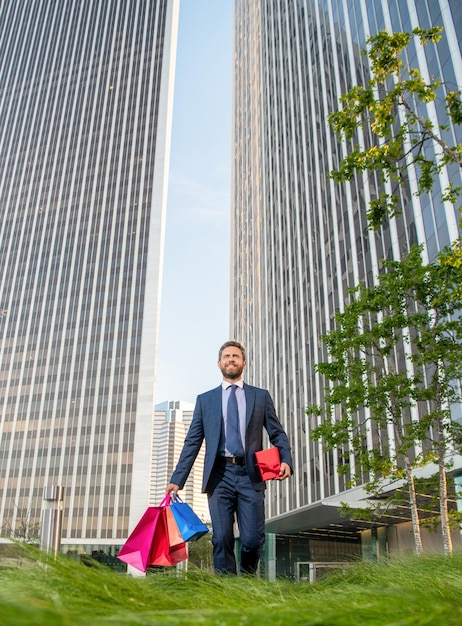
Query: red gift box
[269,463]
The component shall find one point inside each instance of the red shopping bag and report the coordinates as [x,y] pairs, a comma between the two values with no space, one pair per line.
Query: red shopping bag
[162,553]
[149,541]
[269,463]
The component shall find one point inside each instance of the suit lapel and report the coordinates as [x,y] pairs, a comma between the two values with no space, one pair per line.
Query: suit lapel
[216,400]
[249,401]
[216,408]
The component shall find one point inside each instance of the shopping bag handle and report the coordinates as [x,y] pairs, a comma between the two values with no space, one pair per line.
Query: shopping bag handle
[176,497]
[166,501]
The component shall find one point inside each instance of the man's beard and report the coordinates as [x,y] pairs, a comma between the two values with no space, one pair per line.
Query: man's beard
[234,374]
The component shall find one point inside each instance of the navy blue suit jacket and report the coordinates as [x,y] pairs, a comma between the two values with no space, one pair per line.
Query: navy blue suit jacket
[207,423]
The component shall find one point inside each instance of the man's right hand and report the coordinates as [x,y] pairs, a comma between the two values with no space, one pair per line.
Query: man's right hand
[171,487]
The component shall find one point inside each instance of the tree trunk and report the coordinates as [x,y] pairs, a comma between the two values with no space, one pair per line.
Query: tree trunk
[443,488]
[413,507]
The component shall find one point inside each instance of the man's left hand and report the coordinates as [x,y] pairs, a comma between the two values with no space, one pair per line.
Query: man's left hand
[284,472]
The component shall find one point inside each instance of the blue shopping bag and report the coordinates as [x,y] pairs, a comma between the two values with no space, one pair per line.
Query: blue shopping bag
[191,527]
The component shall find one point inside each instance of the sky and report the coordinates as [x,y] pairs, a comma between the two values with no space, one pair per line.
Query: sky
[194,317]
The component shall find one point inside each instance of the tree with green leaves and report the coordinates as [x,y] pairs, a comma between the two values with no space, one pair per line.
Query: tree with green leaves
[396,348]
[402,137]
[394,366]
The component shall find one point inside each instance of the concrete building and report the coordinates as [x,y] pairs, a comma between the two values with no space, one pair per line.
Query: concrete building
[86,94]
[300,240]
[171,423]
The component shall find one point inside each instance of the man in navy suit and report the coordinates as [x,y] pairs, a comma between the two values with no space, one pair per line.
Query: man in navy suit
[231,478]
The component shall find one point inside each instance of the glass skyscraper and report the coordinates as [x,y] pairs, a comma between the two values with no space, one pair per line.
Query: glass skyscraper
[300,240]
[86,91]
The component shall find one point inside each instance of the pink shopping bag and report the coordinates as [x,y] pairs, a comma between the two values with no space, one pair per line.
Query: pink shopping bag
[137,549]
[153,542]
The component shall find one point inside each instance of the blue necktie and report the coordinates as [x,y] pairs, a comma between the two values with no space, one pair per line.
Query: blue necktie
[233,434]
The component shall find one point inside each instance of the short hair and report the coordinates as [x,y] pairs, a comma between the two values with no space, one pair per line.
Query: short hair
[228,344]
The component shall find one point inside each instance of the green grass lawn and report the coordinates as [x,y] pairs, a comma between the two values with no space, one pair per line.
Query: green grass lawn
[411,591]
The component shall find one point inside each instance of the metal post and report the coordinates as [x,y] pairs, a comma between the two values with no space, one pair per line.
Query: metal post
[51,520]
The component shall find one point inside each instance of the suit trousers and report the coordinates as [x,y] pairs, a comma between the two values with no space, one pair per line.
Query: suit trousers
[231,495]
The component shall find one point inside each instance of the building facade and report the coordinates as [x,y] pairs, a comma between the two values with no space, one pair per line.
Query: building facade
[171,424]
[86,95]
[300,240]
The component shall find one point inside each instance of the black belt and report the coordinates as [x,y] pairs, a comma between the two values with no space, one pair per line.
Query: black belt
[235,460]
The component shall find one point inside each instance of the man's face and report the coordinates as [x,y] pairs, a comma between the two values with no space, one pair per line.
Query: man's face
[231,363]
